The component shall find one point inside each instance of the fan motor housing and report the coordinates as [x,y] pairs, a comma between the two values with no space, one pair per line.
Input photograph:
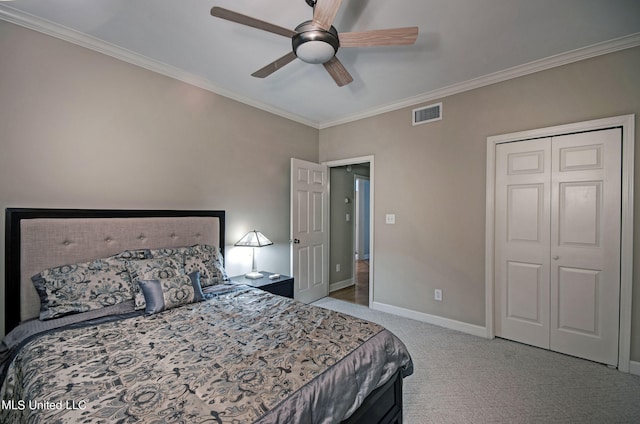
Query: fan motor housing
[315,45]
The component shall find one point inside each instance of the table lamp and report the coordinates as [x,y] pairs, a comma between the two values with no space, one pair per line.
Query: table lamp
[254,239]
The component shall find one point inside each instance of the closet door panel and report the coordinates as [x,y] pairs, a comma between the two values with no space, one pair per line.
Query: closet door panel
[585,245]
[522,241]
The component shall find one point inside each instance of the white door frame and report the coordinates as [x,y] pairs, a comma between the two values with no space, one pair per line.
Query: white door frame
[627,123]
[355,161]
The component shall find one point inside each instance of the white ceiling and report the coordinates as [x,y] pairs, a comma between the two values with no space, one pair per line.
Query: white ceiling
[463,44]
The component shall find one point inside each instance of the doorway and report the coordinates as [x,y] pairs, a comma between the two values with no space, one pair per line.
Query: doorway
[350,230]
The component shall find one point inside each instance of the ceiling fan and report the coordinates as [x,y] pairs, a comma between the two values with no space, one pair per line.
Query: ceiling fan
[317,41]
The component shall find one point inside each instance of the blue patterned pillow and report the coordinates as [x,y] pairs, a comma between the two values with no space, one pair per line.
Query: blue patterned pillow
[85,286]
[207,260]
[173,252]
[151,269]
[167,293]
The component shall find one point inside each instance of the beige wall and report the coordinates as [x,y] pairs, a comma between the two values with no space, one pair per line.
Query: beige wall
[82,130]
[432,177]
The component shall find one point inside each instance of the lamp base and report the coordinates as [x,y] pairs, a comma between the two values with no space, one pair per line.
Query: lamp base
[253,275]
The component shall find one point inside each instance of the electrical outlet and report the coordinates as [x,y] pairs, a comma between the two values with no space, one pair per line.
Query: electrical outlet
[437,295]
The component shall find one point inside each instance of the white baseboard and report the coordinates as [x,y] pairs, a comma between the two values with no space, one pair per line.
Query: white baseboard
[341,285]
[476,330]
[451,324]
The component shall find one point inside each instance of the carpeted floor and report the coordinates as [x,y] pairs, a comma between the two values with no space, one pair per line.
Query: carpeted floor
[460,378]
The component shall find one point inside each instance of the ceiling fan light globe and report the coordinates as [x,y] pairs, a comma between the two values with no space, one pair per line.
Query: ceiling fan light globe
[315,45]
[315,52]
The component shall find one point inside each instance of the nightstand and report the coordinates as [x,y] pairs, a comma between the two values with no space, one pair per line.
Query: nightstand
[282,286]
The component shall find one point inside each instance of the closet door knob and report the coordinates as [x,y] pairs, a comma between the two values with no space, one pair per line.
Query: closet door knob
[556,257]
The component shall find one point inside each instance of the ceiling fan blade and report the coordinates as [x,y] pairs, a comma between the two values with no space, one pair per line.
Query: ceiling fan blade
[274,66]
[338,72]
[379,37]
[324,12]
[239,18]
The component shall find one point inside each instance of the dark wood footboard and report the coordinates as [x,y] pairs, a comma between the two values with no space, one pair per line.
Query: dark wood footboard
[382,406]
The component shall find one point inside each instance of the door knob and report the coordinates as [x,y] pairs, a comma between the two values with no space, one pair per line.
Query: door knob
[556,257]
[295,241]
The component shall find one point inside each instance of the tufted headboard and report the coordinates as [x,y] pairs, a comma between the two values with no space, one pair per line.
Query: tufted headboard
[37,239]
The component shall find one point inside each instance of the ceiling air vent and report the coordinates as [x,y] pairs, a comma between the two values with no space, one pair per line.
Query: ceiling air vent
[426,114]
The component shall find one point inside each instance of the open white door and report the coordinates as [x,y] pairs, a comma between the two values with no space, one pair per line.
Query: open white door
[309,230]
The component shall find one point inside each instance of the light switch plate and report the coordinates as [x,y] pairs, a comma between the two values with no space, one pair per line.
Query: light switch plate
[437,295]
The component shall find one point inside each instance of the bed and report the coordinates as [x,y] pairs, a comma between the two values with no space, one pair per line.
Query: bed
[148,345]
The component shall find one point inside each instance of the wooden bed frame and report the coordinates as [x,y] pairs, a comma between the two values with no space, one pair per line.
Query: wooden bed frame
[383,405]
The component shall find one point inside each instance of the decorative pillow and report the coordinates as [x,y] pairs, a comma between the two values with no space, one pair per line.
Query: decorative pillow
[208,261]
[132,255]
[176,253]
[151,269]
[167,293]
[86,286]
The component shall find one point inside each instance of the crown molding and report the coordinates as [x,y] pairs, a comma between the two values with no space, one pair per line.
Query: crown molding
[58,31]
[611,46]
[72,36]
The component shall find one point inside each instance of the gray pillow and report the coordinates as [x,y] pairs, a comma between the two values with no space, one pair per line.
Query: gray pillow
[167,293]
[151,269]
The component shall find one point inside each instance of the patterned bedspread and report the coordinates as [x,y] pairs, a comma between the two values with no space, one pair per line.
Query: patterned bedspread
[242,357]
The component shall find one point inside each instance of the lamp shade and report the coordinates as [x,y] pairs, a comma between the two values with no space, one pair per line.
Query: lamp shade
[254,239]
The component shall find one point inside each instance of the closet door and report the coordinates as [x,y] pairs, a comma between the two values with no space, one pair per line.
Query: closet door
[522,243]
[557,243]
[585,245]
